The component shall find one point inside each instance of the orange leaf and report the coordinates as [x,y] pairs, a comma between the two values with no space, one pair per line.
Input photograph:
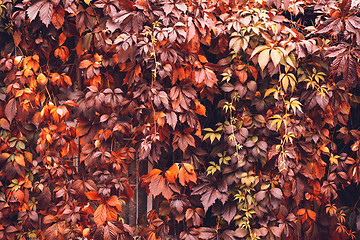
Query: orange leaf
[100,215]
[172,173]
[202,58]
[93,195]
[82,128]
[86,232]
[114,202]
[4,124]
[187,174]
[20,160]
[312,214]
[137,70]
[111,214]
[19,195]
[42,79]
[66,79]
[62,39]
[71,103]
[85,64]
[200,109]
[253,71]
[161,122]
[28,156]
[170,176]
[150,176]
[301,211]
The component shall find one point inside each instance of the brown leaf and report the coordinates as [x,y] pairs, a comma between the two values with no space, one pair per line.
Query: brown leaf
[49,219]
[276,192]
[58,17]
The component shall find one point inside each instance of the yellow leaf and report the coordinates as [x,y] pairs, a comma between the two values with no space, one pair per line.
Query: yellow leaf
[269,91]
[275,57]
[264,58]
[258,49]
[334,159]
[285,82]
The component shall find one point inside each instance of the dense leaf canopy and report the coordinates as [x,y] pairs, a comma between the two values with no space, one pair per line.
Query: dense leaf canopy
[246,111]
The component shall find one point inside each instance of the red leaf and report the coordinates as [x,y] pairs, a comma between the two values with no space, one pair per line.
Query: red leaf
[183,144]
[167,192]
[171,119]
[276,231]
[229,212]
[156,185]
[11,229]
[11,109]
[206,233]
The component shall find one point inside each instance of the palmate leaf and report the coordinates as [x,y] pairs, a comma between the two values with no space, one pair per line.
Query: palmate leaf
[44,8]
[209,192]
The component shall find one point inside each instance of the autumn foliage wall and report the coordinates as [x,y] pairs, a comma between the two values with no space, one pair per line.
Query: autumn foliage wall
[246,111]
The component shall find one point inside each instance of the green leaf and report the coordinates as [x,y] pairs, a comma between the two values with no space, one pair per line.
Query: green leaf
[20,145]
